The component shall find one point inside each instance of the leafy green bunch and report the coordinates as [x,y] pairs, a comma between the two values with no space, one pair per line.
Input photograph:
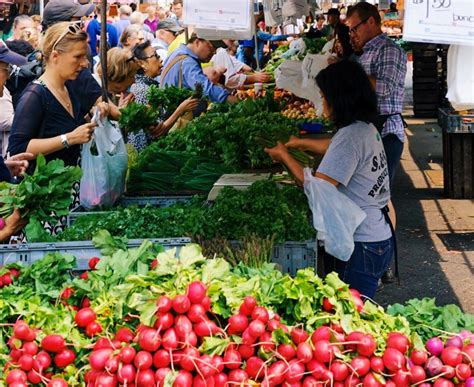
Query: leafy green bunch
[40,197]
[167,99]
[136,116]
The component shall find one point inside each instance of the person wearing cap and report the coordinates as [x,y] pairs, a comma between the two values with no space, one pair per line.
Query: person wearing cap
[64,10]
[333,20]
[166,32]
[124,19]
[94,30]
[183,69]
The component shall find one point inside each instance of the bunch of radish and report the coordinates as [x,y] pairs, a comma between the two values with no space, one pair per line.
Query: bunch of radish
[33,363]
[7,278]
[92,264]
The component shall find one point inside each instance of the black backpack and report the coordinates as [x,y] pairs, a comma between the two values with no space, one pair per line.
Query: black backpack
[21,77]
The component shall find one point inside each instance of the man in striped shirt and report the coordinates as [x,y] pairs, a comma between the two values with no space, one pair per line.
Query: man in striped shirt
[386,65]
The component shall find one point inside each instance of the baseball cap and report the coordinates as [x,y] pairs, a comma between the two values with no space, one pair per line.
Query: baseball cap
[64,10]
[10,57]
[169,25]
[333,11]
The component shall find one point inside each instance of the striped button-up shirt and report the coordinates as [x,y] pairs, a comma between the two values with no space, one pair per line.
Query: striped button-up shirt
[385,61]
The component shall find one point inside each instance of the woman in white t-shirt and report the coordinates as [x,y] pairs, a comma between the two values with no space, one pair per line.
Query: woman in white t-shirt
[355,162]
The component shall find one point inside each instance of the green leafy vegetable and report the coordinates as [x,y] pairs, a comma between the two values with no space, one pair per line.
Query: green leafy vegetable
[136,116]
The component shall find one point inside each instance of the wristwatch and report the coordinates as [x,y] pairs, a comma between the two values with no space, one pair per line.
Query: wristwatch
[64,141]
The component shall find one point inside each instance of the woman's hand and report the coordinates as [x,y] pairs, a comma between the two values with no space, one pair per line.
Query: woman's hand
[296,143]
[104,109]
[262,77]
[188,105]
[18,164]
[124,100]
[278,153]
[13,224]
[82,134]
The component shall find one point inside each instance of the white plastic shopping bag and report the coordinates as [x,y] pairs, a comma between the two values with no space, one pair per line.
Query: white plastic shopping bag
[335,216]
[104,163]
[460,77]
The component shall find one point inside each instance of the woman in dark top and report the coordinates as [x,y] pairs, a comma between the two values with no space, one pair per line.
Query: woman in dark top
[49,117]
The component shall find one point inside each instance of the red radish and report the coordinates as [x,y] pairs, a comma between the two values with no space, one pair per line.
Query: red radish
[310,381]
[53,343]
[356,297]
[238,323]
[455,341]
[93,262]
[22,331]
[42,361]
[30,348]
[316,368]
[206,328]
[273,324]
[276,373]
[255,367]
[247,338]
[299,335]
[112,365]
[93,329]
[442,382]
[401,379]
[352,381]
[246,351]
[206,303]
[149,340]
[164,321]
[67,293]
[59,382]
[196,292]
[256,328]
[126,374]
[15,272]
[198,381]
[327,306]
[84,276]
[189,359]
[98,359]
[451,356]
[417,374]
[248,305]
[26,362]
[182,326]
[218,363]
[398,341]
[205,366]
[435,346]
[124,335]
[220,379]
[354,337]
[146,378]
[6,279]
[170,339]
[287,351]
[295,371]
[304,352]
[232,359]
[103,342]
[260,313]
[86,303]
[64,358]
[340,371]
[376,364]
[266,342]
[190,340]
[321,333]
[448,371]
[34,377]
[161,358]
[419,357]
[160,375]
[181,304]
[16,376]
[367,346]
[463,371]
[197,313]
[434,366]
[323,351]
[361,365]
[84,317]
[468,353]
[371,381]
[164,304]
[237,377]
[143,360]
[393,359]
[154,264]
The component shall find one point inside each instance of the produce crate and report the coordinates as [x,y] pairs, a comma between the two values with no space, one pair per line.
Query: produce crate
[455,123]
[292,256]
[28,253]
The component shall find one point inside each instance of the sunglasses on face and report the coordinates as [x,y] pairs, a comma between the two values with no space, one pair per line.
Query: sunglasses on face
[353,30]
[154,55]
[73,28]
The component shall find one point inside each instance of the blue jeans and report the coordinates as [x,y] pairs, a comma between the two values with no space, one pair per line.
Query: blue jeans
[365,267]
[393,150]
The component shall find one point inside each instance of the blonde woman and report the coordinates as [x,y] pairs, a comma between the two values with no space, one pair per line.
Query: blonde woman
[49,118]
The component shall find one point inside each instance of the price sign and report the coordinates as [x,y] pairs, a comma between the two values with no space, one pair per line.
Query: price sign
[439,21]
[218,14]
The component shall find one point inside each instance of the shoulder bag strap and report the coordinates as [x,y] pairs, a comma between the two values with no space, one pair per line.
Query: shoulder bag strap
[165,72]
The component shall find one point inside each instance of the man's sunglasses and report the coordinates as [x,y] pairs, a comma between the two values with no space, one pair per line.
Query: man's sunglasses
[353,30]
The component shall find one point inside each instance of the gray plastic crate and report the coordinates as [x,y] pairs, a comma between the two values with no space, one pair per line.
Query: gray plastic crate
[293,256]
[156,201]
[455,123]
[28,253]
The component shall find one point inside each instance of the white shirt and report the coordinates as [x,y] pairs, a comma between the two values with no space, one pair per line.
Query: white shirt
[233,78]
[6,119]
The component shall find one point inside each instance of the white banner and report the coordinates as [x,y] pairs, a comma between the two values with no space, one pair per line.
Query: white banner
[229,15]
[439,21]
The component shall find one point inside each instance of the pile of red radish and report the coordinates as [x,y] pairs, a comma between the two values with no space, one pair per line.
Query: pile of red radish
[33,363]
[7,278]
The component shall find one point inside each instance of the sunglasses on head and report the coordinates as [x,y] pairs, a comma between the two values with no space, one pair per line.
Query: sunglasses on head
[73,28]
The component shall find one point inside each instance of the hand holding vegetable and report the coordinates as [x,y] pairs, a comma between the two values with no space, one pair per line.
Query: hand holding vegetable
[13,224]
[19,163]
[262,77]
[82,134]
[296,143]
[278,153]
[188,105]
[124,100]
